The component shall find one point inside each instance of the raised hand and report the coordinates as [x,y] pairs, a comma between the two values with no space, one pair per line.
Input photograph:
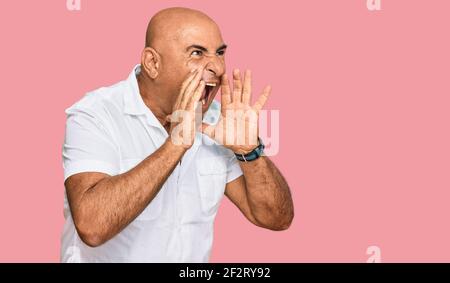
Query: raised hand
[237,129]
[182,120]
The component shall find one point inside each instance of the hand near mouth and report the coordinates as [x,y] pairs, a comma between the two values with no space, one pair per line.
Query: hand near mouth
[237,129]
[182,119]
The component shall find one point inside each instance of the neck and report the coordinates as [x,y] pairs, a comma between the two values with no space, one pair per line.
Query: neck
[156,99]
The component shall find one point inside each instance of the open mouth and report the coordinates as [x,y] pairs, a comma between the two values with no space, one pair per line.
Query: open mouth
[209,87]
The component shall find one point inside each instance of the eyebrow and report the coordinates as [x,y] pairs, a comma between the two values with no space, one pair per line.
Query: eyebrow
[196,46]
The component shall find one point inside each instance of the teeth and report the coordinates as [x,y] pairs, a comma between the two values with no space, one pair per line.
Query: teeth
[203,101]
[211,84]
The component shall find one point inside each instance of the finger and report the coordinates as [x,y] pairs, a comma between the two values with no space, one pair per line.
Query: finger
[196,96]
[188,80]
[262,99]
[225,91]
[247,91]
[191,87]
[237,86]
[184,85]
[193,83]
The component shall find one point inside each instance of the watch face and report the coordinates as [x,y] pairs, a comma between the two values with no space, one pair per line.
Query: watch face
[259,150]
[260,147]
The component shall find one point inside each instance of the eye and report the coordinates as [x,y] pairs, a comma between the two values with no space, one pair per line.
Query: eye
[197,53]
[221,52]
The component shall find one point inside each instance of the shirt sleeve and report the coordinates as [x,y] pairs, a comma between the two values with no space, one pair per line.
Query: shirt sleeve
[233,168]
[88,147]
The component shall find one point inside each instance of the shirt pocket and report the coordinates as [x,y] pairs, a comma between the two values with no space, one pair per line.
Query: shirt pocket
[153,210]
[211,183]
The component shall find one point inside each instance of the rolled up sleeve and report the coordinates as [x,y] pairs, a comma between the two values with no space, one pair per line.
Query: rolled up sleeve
[233,168]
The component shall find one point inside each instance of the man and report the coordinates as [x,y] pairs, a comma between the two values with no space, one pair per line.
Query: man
[143,179]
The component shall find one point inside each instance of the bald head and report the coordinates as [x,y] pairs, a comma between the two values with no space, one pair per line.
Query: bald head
[168,24]
[178,41]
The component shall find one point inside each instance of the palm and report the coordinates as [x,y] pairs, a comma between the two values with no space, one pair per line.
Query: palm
[238,127]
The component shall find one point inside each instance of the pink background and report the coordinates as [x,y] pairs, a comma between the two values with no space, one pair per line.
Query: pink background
[364,108]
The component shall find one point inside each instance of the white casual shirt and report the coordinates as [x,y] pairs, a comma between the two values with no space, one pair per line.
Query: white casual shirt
[110,130]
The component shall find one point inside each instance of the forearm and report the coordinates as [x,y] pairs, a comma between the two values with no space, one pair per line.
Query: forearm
[109,206]
[268,193]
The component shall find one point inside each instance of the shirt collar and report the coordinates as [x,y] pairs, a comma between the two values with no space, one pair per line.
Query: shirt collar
[212,116]
[133,103]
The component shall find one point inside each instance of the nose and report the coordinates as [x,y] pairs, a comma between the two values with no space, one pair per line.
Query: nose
[214,68]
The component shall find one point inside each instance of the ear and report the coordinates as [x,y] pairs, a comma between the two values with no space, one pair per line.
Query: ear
[150,62]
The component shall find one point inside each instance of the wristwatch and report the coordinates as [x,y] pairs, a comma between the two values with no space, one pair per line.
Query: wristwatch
[252,155]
